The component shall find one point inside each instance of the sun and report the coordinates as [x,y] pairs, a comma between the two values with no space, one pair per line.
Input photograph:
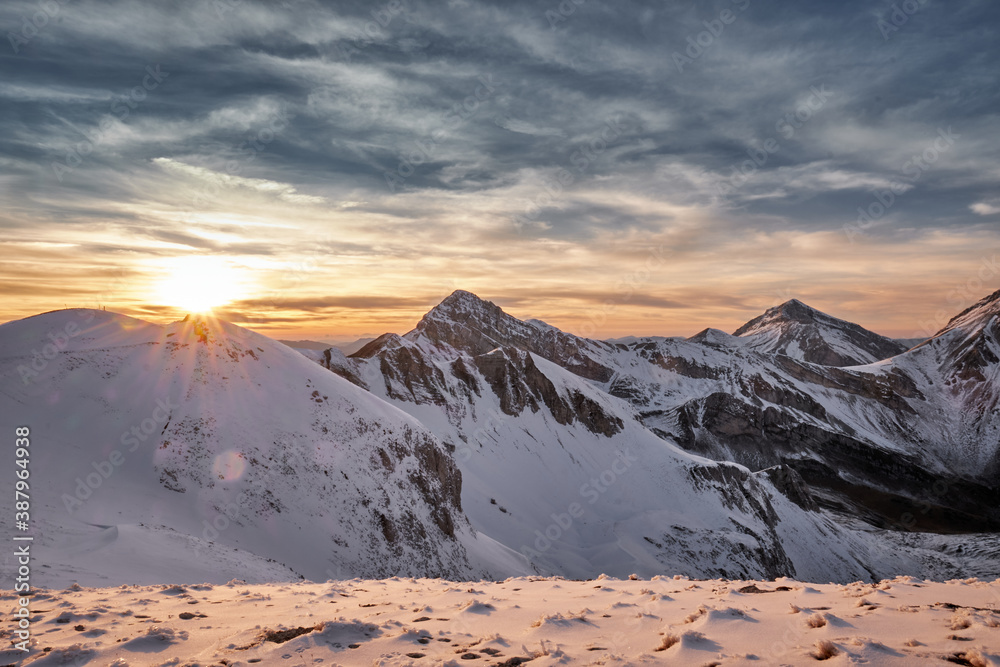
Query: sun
[198,284]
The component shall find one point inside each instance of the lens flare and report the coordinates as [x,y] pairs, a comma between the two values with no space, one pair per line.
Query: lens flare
[229,466]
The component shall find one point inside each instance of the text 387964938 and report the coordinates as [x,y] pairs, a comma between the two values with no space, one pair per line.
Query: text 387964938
[22,516]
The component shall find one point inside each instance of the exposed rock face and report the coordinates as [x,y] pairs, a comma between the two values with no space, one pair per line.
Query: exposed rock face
[741,491]
[791,485]
[519,384]
[465,322]
[465,345]
[909,443]
[969,349]
[888,489]
[484,442]
[372,348]
[962,362]
[890,389]
[440,484]
[467,355]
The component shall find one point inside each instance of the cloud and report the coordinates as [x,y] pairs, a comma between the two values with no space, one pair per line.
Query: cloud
[321,304]
[986,208]
[368,144]
[515,125]
[283,191]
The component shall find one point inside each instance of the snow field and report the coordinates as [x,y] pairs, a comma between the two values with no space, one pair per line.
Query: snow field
[539,621]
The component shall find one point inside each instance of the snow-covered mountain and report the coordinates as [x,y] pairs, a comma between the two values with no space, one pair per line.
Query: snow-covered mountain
[543,405]
[868,440]
[798,331]
[205,435]
[480,445]
[960,367]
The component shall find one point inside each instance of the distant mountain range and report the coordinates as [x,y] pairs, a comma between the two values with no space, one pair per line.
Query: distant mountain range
[480,445]
[347,348]
[869,425]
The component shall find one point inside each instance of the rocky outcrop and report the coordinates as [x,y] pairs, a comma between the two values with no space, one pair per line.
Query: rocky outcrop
[516,380]
[791,485]
[888,489]
[890,389]
[440,483]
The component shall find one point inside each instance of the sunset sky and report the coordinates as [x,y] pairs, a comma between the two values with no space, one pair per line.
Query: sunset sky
[329,170]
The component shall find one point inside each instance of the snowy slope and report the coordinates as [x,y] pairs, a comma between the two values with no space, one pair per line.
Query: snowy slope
[207,432]
[960,367]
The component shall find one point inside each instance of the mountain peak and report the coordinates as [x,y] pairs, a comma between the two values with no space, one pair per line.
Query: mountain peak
[462,300]
[462,306]
[795,303]
[468,323]
[800,331]
[461,295]
[793,309]
[205,328]
[975,315]
[464,311]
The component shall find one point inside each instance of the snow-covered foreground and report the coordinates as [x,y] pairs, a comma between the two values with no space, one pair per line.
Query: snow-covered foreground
[553,621]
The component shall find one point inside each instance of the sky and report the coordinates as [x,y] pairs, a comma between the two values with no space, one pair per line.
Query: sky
[332,170]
